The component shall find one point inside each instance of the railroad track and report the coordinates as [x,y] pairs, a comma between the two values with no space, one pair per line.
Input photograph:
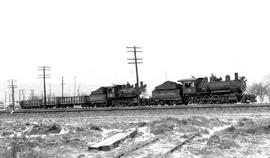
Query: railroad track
[160,148]
[205,106]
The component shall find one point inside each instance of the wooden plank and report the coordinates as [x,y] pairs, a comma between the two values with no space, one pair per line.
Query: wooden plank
[114,141]
[136,147]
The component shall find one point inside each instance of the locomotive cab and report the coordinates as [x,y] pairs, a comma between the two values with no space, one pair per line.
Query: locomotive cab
[189,85]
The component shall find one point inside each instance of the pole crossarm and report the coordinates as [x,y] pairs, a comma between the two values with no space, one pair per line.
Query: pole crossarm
[135,63]
[134,59]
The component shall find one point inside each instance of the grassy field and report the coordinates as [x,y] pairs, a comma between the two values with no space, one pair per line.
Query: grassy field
[222,133]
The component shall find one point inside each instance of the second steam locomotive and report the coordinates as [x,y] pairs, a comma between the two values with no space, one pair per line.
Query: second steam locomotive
[186,91]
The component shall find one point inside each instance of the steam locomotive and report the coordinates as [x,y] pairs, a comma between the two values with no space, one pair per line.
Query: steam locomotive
[201,91]
[187,91]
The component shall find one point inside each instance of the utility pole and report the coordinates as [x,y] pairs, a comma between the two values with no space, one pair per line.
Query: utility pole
[44,76]
[78,90]
[19,97]
[32,93]
[75,87]
[5,99]
[12,86]
[62,84]
[23,94]
[8,99]
[135,60]
[50,94]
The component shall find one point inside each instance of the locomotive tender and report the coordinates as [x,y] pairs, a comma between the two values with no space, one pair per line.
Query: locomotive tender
[186,91]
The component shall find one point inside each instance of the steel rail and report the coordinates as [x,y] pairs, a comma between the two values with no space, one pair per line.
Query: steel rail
[204,106]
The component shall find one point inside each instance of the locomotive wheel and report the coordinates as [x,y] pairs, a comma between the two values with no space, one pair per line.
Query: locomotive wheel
[161,103]
[201,102]
[210,102]
[219,102]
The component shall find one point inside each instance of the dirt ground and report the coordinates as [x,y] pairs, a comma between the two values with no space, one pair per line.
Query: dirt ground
[229,133]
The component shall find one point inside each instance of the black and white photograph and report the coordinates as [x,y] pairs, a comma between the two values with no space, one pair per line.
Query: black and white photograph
[134,79]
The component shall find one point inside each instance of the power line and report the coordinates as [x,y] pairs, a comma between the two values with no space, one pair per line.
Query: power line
[44,76]
[135,50]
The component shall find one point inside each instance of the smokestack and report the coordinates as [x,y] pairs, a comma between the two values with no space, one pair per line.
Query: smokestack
[227,78]
[141,83]
[236,76]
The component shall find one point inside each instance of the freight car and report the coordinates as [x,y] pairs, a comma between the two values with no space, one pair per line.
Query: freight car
[54,102]
[31,104]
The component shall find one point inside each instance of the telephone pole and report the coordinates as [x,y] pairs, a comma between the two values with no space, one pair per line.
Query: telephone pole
[44,76]
[5,100]
[75,87]
[32,91]
[78,90]
[19,97]
[135,60]
[62,84]
[12,86]
[23,94]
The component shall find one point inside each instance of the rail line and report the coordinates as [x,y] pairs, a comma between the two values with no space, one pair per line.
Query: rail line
[136,148]
[204,106]
[163,150]
[178,146]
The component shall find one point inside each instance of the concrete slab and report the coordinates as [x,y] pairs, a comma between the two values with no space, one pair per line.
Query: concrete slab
[114,141]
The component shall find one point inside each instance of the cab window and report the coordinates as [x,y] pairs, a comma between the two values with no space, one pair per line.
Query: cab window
[189,84]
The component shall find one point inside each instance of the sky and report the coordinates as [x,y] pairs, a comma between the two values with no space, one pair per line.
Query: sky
[88,39]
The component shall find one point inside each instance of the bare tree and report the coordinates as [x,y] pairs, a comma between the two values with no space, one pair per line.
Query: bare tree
[259,90]
[267,83]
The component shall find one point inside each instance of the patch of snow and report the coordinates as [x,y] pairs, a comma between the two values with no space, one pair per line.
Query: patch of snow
[63,131]
[105,132]
[215,129]
[36,136]
[146,134]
